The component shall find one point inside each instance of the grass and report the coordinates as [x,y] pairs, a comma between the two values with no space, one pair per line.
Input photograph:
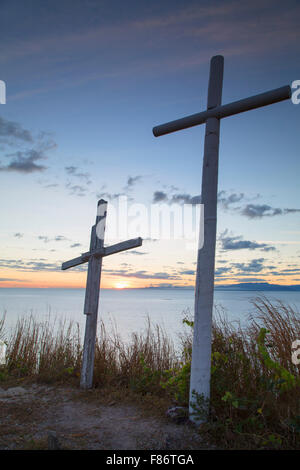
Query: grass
[255,387]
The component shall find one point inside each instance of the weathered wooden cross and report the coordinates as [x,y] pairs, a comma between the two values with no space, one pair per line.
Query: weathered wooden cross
[204,289]
[94,258]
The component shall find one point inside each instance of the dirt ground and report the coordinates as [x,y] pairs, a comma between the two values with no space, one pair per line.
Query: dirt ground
[79,420]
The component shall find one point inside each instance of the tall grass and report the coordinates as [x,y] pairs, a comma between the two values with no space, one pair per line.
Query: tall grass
[53,352]
[255,387]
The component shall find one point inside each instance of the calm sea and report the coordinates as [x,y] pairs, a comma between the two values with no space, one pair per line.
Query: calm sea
[127,310]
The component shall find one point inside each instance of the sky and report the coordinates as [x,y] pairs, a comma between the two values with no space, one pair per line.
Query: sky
[86,81]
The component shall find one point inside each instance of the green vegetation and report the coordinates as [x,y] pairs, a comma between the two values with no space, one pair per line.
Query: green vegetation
[255,387]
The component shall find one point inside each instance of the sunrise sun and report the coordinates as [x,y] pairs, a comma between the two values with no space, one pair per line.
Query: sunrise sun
[121,285]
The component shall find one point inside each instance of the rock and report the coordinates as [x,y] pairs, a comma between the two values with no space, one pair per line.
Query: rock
[12,392]
[53,443]
[178,414]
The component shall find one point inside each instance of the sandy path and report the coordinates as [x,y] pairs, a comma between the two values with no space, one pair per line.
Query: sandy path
[28,414]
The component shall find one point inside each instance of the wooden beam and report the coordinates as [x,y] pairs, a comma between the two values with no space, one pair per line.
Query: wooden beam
[74,262]
[123,246]
[257,101]
[92,298]
[106,251]
[204,289]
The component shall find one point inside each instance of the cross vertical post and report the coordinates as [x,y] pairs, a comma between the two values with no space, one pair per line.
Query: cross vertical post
[92,297]
[204,290]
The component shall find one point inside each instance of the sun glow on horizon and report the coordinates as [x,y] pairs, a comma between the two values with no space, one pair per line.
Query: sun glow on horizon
[121,285]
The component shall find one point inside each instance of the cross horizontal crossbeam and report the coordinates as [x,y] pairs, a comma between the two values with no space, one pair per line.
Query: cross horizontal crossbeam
[101,252]
[236,107]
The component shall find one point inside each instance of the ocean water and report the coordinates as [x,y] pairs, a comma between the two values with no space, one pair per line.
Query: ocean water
[126,311]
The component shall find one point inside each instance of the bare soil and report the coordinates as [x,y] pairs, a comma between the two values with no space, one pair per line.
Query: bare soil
[85,420]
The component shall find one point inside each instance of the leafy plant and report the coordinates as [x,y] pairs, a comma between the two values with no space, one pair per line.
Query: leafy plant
[284,380]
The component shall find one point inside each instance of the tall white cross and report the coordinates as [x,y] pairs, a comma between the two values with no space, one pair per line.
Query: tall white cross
[204,288]
[94,258]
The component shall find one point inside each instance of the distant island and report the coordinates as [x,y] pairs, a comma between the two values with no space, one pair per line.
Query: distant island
[243,286]
[261,286]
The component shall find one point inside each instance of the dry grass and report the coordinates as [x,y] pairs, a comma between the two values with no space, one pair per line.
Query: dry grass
[33,350]
[255,386]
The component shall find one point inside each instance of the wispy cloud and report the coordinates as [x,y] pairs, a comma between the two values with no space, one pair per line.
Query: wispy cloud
[226,201]
[178,198]
[11,129]
[26,160]
[76,189]
[254,266]
[75,245]
[74,171]
[109,196]
[32,265]
[230,28]
[13,279]
[237,243]
[159,196]
[132,181]
[258,211]
[135,252]
[57,238]
[142,274]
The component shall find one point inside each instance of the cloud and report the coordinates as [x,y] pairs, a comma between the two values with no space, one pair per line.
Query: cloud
[188,272]
[32,265]
[57,238]
[60,238]
[51,185]
[142,274]
[109,196]
[135,252]
[237,243]
[44,238]
[185,199]
[229,27]
[76,189]
[179,198]
[222,270]
[257,211]
[24,162]
[250,210]
[227,201]
[12,279]
[12,129]
[159,196]
[254,266]
[75,245]
[290,211]
[131,181]
[73,171]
